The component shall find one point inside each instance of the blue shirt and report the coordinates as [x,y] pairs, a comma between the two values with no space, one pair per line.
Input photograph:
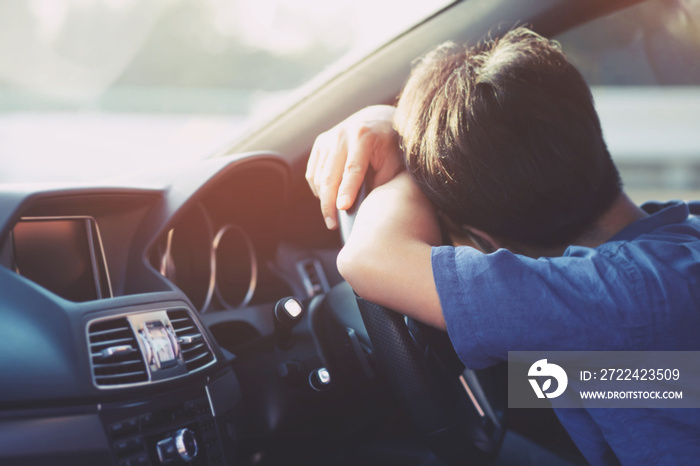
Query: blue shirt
[640,291]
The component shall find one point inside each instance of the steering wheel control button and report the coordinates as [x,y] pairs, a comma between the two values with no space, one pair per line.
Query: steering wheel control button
[288,313]
[320,379]
[180,447]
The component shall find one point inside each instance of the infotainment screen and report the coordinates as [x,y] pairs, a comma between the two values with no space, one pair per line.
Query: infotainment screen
[59,254]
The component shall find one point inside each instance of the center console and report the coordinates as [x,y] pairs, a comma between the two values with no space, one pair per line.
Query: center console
[145,352]
[188,426]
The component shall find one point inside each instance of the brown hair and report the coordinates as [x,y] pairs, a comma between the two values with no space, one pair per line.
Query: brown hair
[504,137]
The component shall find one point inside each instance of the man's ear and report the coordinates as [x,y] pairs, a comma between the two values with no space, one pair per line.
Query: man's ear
[487,243]
[454,234]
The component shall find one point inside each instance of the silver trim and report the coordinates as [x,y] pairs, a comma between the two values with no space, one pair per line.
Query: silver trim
[189,339]
[167,256]
[93,259]
[211,402]
[471,396]
[213,285]
[324,376]
[472,381]
[324,380]
[98,286]
[139,325]
[167,260]
[210,235]
[104,258]
[117,350]
[182,448]
[159,450]
[149,381]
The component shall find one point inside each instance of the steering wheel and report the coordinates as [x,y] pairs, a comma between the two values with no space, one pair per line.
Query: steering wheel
[446,401]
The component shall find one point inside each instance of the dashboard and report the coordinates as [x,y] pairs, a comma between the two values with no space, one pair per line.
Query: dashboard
[138,316]
[209,251]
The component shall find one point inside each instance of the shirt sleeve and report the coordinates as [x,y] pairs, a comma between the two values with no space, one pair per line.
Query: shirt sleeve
[500,302]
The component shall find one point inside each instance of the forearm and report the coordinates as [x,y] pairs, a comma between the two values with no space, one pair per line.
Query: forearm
[387,258]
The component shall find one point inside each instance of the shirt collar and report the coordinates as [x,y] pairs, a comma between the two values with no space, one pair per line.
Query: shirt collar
[660,214]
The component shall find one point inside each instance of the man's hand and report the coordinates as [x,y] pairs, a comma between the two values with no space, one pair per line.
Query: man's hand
[341,156]
[387,258]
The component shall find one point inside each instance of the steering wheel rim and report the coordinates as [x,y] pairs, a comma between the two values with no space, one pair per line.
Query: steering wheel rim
[445,409]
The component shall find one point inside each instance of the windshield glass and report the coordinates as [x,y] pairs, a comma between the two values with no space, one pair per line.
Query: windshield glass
[96,88]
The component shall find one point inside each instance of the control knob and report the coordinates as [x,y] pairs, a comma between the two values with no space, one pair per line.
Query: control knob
[180,447]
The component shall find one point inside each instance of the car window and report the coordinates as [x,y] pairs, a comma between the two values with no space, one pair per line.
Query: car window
[643,65]
[94,88]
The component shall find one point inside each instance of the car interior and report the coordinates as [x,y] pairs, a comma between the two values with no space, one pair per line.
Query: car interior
[194,314]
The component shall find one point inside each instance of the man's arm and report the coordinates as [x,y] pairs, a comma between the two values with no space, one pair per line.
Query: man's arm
[387,259]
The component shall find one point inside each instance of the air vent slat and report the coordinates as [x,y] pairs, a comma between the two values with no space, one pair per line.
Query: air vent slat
[184,329]
[106,332]
[119,341]
[197,355]
[189,350]
[197,358]
[110,365]
[99,358]
[119,369]
[117,376]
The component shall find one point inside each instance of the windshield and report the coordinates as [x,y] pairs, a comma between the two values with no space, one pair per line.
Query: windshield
[96,88]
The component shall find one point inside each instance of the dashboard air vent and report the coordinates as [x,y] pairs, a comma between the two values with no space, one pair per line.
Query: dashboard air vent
[195,350]
[313,277]
[115,355]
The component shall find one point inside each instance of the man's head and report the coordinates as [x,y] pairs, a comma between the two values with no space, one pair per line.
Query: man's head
[503,137]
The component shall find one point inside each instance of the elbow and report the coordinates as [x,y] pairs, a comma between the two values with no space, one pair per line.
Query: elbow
[348,263]
[355,267]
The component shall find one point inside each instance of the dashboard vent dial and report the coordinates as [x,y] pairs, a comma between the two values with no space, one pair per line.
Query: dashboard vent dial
[115,355]
[193,346]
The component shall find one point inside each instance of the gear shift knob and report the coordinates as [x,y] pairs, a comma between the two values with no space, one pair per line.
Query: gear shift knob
[288,313]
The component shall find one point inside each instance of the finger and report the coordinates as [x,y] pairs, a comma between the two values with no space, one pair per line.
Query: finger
[320,167]
[327,147]
[355,170]
[330,181]
[312,163]
[331,147]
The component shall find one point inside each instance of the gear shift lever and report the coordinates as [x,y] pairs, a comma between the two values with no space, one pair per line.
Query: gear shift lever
[288,313]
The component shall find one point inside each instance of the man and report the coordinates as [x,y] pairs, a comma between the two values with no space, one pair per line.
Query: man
[501,143]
